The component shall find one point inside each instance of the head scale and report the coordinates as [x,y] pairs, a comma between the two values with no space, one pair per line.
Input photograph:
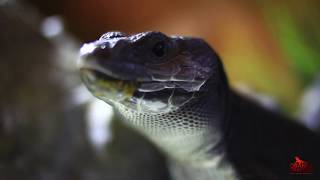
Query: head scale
[149,71]
[170,88]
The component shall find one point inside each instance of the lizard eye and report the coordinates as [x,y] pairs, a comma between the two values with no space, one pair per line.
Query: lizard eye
[159,49]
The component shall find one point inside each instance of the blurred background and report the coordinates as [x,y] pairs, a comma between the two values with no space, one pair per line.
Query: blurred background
[52,128]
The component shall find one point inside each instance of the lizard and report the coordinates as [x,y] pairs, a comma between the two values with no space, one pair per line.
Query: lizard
[175,92]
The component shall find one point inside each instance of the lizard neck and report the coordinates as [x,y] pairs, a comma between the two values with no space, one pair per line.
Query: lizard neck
[192,138]
[219,168]
[191,134]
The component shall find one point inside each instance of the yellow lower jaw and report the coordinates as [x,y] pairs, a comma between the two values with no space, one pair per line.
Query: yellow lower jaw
[115,89]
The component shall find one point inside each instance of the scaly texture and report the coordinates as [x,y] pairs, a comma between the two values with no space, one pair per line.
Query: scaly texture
[174,91]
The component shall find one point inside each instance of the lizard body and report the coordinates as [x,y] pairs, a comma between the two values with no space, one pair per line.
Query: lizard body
[174,90]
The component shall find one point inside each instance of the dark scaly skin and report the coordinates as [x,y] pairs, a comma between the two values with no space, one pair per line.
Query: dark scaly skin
[267,142]
[175,92]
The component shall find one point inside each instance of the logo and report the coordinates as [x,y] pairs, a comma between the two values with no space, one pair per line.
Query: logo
[300,167]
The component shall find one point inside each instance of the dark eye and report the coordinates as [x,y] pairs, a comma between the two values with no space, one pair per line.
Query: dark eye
[159,49]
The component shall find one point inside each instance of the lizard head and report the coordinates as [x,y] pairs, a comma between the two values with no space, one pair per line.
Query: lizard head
[148,72]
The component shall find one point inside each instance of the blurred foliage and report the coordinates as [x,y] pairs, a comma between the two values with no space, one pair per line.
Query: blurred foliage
[271,46]
[43,130]
[296,27]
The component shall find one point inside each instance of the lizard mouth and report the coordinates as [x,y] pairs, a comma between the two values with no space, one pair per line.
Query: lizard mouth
[106,86]
[94,77]
[98,77]
[105,77]
[156,94]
